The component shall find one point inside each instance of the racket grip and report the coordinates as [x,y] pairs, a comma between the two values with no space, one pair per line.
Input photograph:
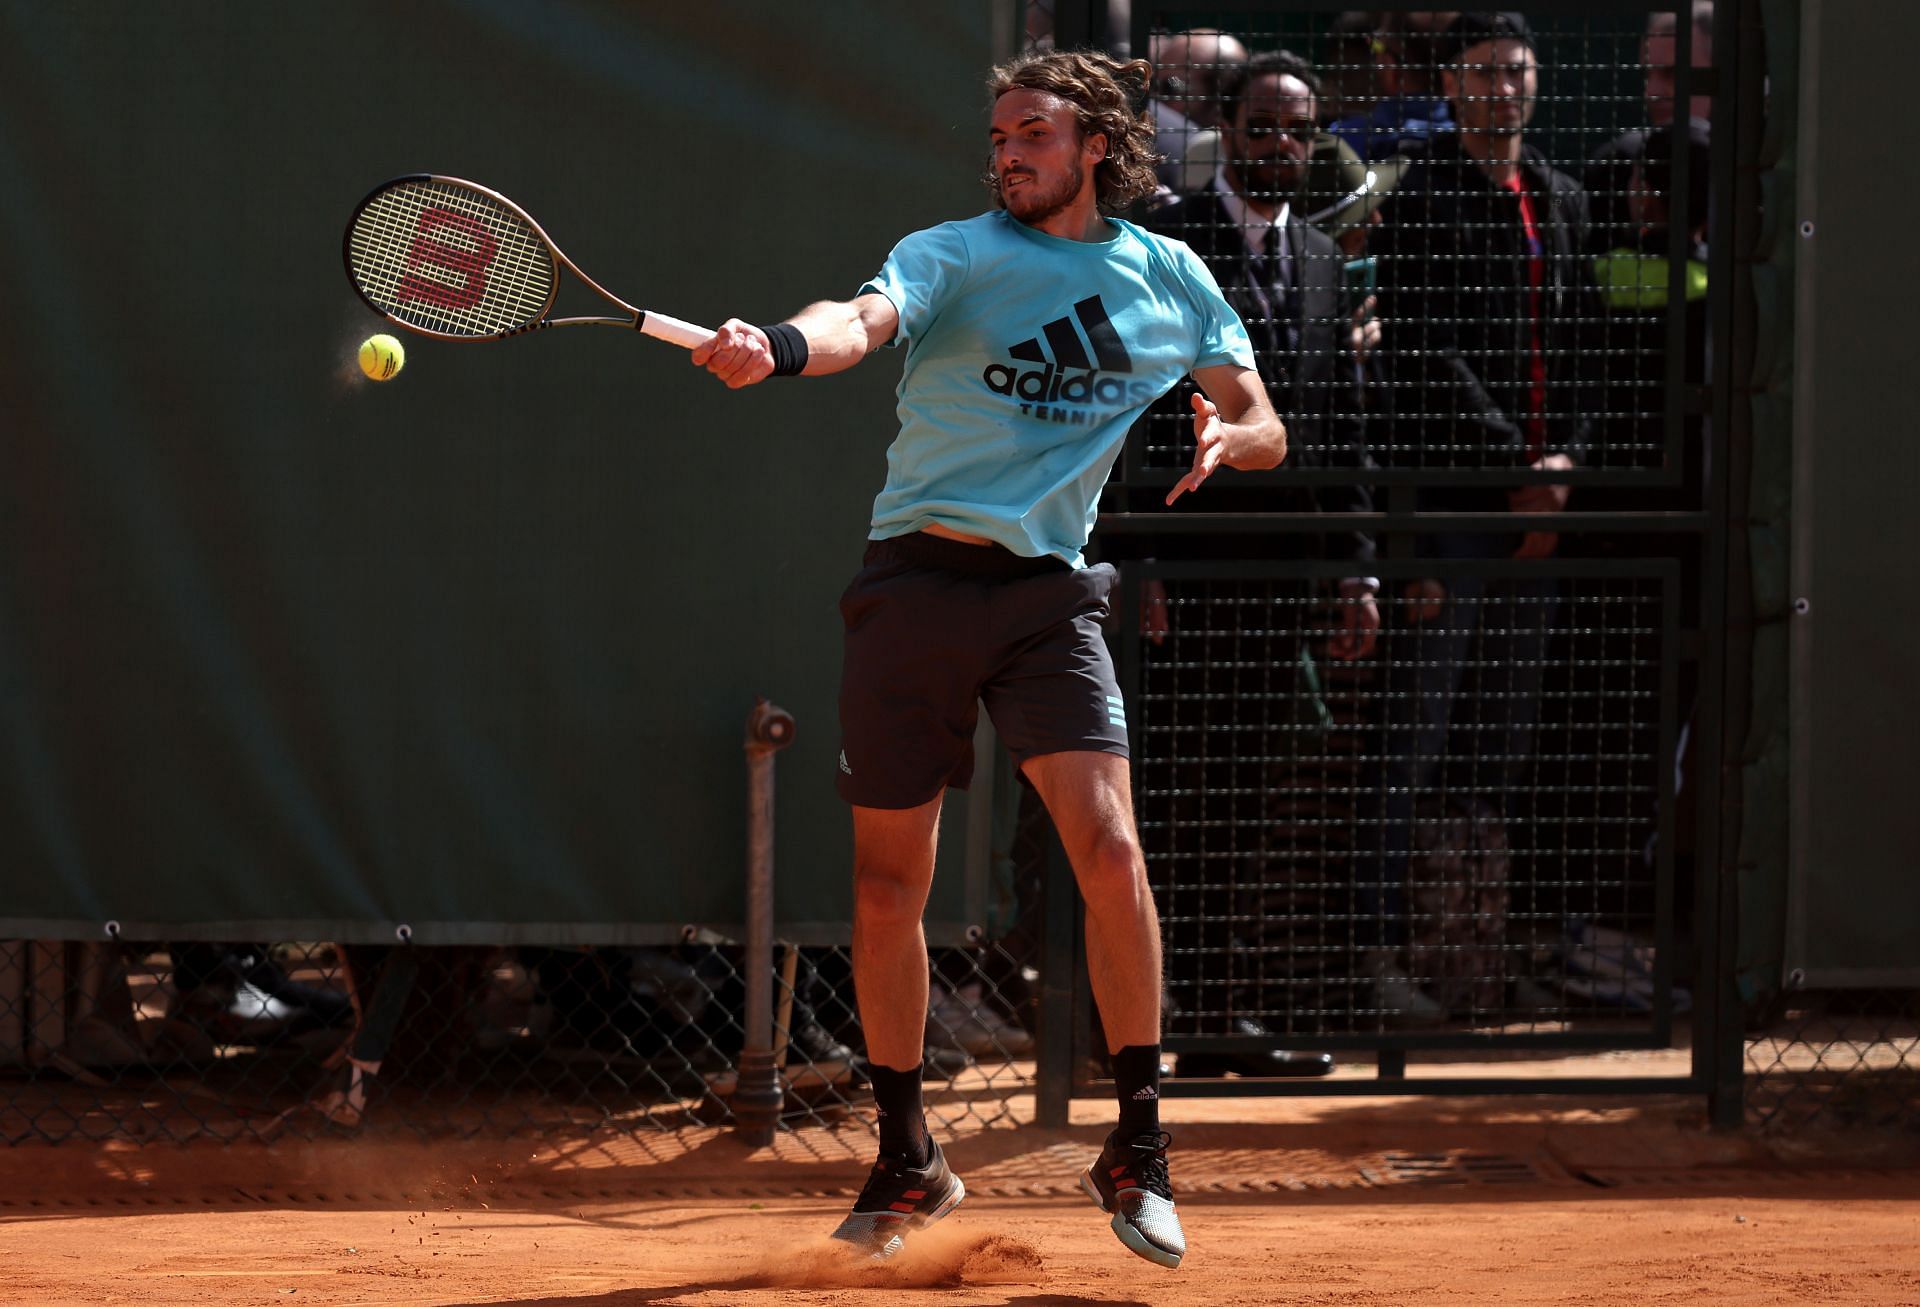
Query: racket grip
[672,330]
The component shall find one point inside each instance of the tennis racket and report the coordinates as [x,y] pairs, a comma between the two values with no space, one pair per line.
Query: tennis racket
[456,261]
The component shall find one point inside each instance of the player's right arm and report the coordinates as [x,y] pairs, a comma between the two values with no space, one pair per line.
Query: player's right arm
[838,334]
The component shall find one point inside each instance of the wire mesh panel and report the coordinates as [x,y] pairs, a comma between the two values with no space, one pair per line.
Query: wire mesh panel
[1484,248]
[1456,831]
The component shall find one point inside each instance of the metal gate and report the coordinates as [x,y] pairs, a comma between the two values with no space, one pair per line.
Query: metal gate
[1495,836]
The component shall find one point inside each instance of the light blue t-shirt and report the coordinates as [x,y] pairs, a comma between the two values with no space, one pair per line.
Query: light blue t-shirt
[1028,358]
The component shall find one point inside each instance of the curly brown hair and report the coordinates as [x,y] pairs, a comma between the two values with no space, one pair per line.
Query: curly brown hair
[1109,97]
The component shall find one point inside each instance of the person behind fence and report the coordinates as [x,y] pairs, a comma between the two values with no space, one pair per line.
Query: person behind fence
[1483,283]
[1609,176]
[1035,335]
[1413,108]
[1286,281]
[1188,68]
[381,978]
[1349,71]
[1640,287]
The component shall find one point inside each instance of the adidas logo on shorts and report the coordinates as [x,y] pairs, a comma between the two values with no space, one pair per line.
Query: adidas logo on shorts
[843,763]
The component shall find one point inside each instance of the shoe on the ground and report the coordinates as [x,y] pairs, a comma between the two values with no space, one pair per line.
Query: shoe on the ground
[943,1063]
[899,1199]
[1255,1062]
[1398,997]
[347,1098]
[964,1019]
[1129,1180]
[816,1044]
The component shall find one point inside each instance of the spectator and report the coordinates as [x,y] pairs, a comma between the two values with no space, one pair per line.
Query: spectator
[1642,290]
[1481,275]
[1413,109]
[356,1064]
[1609,175]
[1634,277]
[1349,71]
[1285,279]
[1187,70]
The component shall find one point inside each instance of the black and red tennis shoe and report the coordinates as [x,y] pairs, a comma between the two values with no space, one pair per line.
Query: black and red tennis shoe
[1129,1180]
[899,1199]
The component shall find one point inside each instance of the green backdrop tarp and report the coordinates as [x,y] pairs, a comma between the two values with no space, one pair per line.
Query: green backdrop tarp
[1853,902]
[284,652]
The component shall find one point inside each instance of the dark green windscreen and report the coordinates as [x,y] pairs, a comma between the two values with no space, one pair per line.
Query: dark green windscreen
[1856,842]
[473,650]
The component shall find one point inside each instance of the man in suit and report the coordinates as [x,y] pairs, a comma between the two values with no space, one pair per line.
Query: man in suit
[1285,279]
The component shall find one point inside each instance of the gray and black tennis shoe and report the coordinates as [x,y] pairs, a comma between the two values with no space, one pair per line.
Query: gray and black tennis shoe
[1129,1180]
[899,1199]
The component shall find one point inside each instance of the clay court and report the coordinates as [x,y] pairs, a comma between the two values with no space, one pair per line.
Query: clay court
[1369,1200]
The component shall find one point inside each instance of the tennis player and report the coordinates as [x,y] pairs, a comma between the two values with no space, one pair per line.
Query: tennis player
[1035,335]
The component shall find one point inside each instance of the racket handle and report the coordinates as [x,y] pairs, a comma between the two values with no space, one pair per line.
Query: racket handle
[672,330]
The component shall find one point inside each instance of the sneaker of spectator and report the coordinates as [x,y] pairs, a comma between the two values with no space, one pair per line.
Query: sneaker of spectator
[236,994]
[1397,996]
[963,1019]
[815,1054]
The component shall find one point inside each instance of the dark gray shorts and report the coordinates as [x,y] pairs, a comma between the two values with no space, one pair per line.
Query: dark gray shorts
[933,628]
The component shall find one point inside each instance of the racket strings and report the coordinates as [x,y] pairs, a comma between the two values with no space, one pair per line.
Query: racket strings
[450,259]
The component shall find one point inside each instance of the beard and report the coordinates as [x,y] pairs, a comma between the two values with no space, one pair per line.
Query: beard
[1036,202]
[1267,180]
[1509,119]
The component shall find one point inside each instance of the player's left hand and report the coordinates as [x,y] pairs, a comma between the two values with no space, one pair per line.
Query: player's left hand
[1209,446]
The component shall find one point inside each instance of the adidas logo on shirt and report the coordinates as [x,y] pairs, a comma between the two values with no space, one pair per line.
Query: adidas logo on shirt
[1078,355]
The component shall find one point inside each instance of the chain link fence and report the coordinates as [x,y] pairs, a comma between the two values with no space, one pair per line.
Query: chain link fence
[1835,1058]
[180,1041]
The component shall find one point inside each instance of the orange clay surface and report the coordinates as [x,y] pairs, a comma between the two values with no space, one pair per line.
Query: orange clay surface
[1614,1201]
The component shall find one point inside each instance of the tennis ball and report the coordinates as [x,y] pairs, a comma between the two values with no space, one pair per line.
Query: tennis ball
[382,357]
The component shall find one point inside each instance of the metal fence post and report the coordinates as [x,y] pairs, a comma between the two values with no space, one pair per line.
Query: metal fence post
[758,1095]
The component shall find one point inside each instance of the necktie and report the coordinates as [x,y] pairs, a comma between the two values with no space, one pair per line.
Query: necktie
[1276,274]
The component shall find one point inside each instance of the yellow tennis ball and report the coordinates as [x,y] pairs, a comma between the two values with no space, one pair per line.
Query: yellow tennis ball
[382,357]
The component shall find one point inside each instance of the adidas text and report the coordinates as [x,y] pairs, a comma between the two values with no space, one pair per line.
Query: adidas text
[1053,385]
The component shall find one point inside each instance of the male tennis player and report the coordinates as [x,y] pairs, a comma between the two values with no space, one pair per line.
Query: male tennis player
[1035,334]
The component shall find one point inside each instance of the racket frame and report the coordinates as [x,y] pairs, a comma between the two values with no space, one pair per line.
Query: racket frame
[657,325]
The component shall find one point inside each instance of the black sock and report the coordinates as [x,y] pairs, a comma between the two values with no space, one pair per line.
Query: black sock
[903,1122]
[1136,1082]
